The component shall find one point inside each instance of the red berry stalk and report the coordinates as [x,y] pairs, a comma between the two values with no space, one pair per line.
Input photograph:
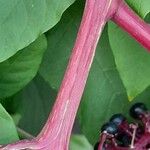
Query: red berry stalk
[119,134]
[56,132]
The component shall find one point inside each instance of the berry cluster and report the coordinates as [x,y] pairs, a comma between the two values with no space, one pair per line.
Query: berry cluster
[119,134]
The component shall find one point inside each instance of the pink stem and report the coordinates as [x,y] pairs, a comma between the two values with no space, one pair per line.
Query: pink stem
[56,132]
[102,141]
[139,145]
[60,123]
[126,18]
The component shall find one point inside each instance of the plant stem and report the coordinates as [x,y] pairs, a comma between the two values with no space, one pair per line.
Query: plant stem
[126,18]
[57,130]
[60,122]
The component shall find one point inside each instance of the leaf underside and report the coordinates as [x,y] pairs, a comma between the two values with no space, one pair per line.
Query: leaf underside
[18,70]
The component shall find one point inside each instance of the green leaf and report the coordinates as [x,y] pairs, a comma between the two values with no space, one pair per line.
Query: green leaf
[18,70]
[132,61]
[61,39]
[79,142]
[22,21]
[36,102]
[142,7]
[104,93]
[147,18]
[7,128]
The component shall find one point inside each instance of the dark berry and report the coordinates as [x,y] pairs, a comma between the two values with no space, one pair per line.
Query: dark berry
[137,110]
[118,119]
[140,131]
[148,146]
[124,140]
[110,128]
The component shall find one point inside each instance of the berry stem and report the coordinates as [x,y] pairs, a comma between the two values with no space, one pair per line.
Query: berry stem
[102,141]
[126,18]
[143,142]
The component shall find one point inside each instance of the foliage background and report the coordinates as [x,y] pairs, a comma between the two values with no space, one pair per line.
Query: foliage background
[36,38]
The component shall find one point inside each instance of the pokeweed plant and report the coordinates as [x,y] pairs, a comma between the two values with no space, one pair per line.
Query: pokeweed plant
[119,134]
[57,130]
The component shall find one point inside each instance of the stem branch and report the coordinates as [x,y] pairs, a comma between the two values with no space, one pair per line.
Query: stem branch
[56,132]
[126,18]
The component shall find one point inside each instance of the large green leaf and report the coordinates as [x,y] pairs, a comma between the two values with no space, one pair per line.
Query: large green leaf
[61,39]
[104,93]
[8,131]
[142,7]
[18,70]
[79,142]
[132,61]
[22,21]
[36,102]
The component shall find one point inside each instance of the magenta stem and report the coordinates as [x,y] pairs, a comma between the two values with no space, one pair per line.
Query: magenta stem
[144,141]
[102,141]
[60,122]
[126,18]
[56,132]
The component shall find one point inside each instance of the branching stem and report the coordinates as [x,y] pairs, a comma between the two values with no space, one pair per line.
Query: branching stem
[126,18]
[56,132]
